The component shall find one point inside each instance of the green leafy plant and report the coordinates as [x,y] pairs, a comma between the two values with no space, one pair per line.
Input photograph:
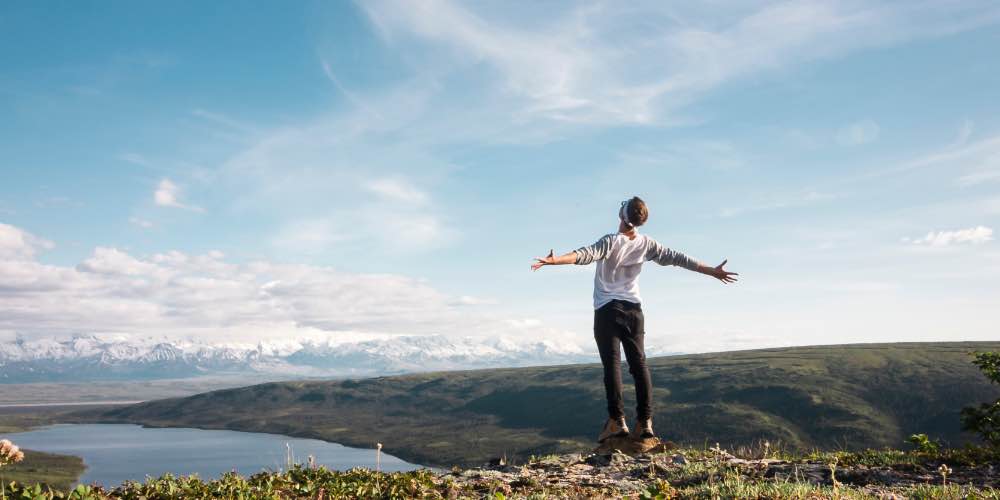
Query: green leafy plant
[985,419]
[924,444]
[658,490]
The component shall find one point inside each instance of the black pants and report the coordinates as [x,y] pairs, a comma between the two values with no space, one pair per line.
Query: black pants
[620,323]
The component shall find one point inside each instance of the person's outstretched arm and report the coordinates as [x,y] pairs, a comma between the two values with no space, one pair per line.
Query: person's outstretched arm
[552,260]
[582,256]
[667,257]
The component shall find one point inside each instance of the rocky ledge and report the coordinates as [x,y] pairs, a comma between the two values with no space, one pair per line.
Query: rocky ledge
[650,467]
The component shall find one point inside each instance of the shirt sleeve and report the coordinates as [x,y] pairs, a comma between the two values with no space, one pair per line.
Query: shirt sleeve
[667,257]
[597,251]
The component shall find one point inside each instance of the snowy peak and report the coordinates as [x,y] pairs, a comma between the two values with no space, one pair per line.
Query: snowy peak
[95,357]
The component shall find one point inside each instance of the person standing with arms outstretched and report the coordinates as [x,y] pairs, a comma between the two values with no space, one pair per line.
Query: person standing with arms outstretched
[618,320]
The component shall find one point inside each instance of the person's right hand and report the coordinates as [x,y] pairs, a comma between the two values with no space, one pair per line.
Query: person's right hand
[547,260]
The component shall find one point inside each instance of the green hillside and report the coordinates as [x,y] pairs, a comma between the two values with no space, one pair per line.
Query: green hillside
[843,397]
[48,469]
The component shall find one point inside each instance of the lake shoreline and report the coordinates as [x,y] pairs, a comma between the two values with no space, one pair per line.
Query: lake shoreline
[71,404]
[113,453]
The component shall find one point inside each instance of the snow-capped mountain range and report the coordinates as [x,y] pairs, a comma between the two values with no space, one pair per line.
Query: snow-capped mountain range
[96,357]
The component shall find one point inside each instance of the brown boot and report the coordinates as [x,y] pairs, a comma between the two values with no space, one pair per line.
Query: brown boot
[614,427]
[643,429]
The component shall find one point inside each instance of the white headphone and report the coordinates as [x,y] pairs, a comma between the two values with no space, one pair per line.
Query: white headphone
[623,214]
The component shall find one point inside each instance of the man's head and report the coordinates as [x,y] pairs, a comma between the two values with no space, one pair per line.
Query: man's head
[633,213]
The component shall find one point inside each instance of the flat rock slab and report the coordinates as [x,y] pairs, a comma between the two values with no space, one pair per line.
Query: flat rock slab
[633,447]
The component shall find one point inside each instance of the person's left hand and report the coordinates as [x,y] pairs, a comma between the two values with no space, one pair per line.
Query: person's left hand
[722,275]
[547,260]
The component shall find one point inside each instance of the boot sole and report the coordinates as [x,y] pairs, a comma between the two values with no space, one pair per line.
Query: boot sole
[643,435]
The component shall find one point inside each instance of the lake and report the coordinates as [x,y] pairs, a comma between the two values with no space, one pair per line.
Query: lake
[114,453]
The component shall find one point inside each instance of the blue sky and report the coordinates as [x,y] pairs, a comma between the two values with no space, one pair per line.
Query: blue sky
[239,171]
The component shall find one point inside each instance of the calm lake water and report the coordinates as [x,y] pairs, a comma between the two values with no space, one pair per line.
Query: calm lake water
[116,452]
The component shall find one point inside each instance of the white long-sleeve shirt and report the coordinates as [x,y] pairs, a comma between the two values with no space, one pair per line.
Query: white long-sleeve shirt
[619,262]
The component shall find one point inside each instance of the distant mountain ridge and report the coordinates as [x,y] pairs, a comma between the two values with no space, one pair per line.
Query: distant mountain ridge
[827,397]
[95,357]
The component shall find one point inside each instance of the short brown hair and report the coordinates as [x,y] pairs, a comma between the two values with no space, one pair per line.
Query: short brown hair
[636,211]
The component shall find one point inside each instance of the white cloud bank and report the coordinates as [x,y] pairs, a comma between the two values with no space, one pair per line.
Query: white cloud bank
[205,297]
[16,244]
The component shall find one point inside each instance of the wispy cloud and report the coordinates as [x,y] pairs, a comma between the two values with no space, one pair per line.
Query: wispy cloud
[991,206]
[350,95]
[336,183]
[858,133]
[397,189]
[167,194]
[980,157]
[143,223]
[964,133]
[468,300]
[226,121]
[585,66]
[977,156]
[972,235]
[135,159]
[56,201]
[779,202]
[385,229]
[313,236]
[979,177]
[712,154]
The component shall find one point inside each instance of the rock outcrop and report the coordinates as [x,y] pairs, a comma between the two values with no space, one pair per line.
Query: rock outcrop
[630,468]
